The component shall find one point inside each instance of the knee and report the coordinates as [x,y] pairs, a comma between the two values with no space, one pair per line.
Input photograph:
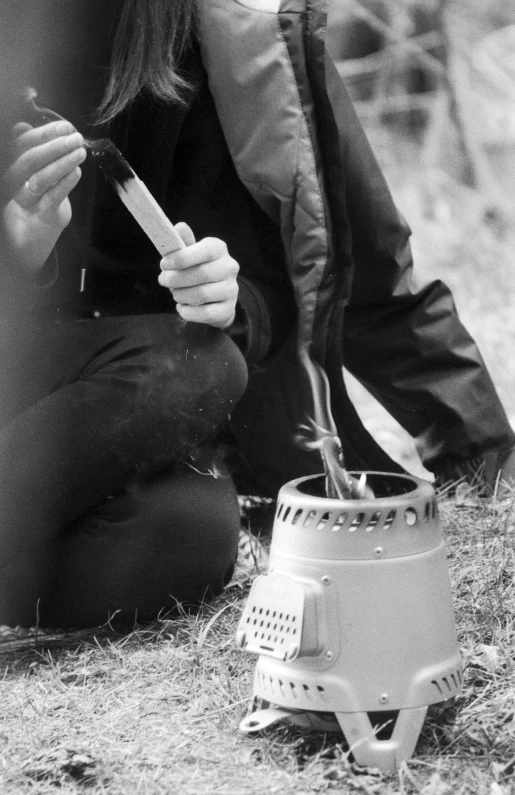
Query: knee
[199,371]
[172,541]
[213,364]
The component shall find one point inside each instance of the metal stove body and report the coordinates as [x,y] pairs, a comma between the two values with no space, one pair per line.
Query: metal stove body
[355,616]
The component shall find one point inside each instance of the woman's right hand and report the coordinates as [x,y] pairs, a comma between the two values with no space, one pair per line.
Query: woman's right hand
[45,168]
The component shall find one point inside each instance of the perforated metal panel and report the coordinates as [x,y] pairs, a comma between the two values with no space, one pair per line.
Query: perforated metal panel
[299,692]
[273,618]
[386,526]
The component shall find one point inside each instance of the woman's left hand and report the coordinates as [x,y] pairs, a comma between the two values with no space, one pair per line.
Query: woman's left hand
[202,279]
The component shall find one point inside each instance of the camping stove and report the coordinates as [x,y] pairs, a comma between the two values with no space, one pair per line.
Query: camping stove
[354,623]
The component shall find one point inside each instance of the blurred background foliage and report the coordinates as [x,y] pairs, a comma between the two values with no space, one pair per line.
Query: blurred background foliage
[440,74]
[433,82]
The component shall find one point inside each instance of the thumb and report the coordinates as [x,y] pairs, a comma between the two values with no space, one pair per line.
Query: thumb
[20,128]
[185,232]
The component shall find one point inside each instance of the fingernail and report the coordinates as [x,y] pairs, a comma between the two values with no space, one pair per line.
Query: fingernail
[64,128]
[74,140]
[79,154]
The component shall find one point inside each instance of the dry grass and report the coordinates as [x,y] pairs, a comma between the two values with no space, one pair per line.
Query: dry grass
[157,711]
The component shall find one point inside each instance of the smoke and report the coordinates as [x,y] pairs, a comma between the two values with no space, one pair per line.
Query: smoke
[320,433]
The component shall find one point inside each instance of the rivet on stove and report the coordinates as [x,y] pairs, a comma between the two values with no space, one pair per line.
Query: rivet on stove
[329,655]
[383,699]
[378,551]
[326,579]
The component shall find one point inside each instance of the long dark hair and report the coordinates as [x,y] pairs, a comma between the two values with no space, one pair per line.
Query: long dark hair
[151,37]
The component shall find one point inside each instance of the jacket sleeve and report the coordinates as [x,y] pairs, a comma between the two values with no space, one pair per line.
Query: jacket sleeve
[251,327]
[263,321]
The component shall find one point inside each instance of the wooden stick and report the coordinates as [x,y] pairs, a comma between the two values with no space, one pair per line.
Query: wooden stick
[136,196]
[129,187]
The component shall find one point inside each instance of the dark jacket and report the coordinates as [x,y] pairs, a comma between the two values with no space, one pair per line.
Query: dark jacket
[269,156]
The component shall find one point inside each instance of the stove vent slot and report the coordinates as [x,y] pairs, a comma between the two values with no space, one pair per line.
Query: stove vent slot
[389,520]
[448,685]
[310,518]
[373,521]
[339,522]
[410,517]
[291,690]
[356,522]
[323,521]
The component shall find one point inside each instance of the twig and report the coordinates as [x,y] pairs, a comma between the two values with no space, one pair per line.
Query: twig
[377,24]
[39,641]
[217,711]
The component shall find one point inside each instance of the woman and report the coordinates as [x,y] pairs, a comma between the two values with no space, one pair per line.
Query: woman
[114,402]
[115,496]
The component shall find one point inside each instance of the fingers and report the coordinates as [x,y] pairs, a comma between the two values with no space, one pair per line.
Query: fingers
[27,137]
[185,232]
[215,271]
[206,251]
[207,293]
[219,315]
[20,128]
[202,280]
[201,273]
[59,192]
[49,177]
[43,160]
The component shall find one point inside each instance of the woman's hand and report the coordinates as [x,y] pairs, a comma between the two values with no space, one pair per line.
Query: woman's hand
[202,279]
[44,170]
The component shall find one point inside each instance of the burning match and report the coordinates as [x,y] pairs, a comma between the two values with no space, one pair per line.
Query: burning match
[130,188]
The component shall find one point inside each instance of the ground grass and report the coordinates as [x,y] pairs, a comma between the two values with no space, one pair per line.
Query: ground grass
[157,710]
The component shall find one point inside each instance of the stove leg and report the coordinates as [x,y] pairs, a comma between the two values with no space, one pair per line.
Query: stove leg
[386,755]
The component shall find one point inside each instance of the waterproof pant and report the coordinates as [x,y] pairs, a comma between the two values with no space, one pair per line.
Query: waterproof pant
[110,502]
